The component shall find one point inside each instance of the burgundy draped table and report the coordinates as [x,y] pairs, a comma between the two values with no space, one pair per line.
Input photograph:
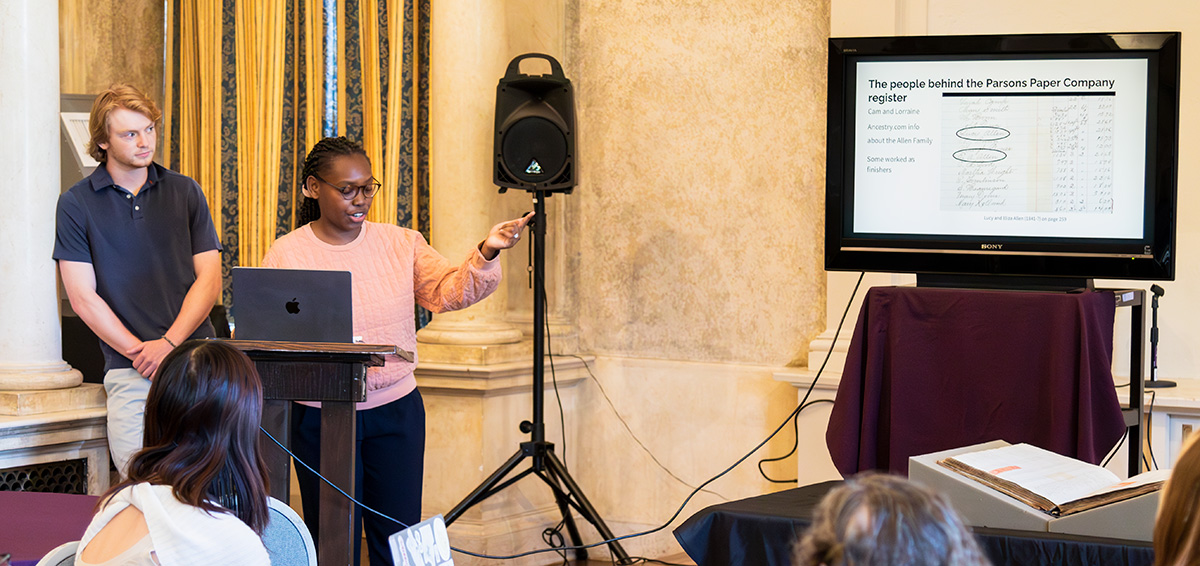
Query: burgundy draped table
[933,369]
[32,524]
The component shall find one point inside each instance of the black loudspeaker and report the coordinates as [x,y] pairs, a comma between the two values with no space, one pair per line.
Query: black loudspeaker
[535,129]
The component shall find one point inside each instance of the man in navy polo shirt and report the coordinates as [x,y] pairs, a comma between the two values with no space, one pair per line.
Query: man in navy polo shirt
[139,257]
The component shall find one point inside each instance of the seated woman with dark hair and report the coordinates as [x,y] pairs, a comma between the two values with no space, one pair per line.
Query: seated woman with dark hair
[882,520]
[1177,528]
[197,492]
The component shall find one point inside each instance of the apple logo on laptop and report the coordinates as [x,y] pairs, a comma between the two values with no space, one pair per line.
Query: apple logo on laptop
[292,306]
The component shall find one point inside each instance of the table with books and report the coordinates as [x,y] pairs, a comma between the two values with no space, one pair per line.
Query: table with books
[1051,483]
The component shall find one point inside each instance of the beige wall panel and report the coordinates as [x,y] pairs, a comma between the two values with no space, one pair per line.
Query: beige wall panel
[698,218]
[695,419]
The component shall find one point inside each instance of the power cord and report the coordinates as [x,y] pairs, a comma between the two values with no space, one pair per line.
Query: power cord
[562,419]
[329,483]
[558,550]
[554,539]
[804,402]
[644,560]
[795,443]
[1114,451]
[1149,432]
[562,549]
[630,430]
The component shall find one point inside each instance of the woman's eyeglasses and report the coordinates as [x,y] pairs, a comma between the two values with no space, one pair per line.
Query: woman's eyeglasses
[350,191]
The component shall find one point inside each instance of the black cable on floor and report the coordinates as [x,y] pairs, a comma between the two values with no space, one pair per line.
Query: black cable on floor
[795,443]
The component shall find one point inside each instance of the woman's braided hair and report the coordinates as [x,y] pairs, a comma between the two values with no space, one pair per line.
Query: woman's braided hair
[318,160]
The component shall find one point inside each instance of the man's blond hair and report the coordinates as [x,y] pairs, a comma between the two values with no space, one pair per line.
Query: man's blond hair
[117,96]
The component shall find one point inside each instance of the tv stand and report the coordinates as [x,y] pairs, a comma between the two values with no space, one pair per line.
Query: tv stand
[1038,365]
[1005,282]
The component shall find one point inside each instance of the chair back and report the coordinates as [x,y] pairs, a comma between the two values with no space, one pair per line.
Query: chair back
[287,538]
[62,555]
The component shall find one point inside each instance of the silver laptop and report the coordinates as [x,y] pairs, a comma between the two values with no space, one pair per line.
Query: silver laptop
[292,305]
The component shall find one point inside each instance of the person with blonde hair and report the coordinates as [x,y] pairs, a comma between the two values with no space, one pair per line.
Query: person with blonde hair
[1177,528]
[139,257]
[883,520]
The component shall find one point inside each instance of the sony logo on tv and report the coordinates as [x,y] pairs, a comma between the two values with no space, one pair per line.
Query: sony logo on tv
[990,246]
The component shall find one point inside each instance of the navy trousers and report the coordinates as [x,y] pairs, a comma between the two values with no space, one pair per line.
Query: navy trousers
[387,472]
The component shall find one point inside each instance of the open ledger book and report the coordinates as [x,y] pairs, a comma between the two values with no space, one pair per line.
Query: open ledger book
[1053,483]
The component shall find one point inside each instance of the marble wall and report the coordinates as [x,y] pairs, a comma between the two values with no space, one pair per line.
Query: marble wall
[692,244]
[696,228]
[699,214]
[688,260]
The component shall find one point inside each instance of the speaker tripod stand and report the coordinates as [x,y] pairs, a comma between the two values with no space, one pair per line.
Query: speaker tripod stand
[540,453]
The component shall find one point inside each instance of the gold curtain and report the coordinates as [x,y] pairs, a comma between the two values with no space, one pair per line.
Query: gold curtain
[260,62]
[252,84]
[374,71]
[197,73]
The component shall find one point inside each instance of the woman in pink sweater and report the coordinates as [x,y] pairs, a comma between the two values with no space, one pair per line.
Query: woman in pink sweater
[392,268]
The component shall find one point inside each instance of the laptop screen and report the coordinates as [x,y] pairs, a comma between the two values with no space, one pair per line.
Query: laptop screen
[292,305]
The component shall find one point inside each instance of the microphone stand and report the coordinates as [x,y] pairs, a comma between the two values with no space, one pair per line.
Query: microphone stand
[1154,382]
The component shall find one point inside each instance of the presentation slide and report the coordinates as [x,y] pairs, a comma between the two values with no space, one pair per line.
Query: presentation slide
[1037,148]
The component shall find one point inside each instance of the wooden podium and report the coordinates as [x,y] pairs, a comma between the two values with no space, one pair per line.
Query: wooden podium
[335,375]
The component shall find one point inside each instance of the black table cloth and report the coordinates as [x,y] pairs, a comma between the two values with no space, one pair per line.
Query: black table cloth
[761,531]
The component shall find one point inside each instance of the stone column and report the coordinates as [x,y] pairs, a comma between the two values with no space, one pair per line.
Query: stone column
[468,46]
[30,342]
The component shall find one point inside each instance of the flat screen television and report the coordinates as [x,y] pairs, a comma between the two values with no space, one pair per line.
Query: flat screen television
[997,157]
